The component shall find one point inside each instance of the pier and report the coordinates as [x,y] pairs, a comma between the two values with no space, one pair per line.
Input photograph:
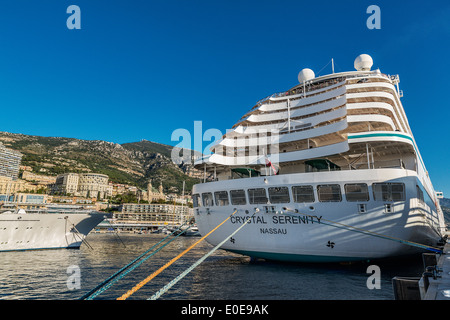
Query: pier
[434,284]
[438,278]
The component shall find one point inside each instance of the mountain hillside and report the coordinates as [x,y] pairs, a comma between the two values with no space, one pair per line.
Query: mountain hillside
[130,163]
[445,205]
[445,202]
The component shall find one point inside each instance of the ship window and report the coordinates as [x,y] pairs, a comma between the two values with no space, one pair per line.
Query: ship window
[238,197]
[420,194]
[303,193]
[279,195]
[389,191]
[258,195]
[398,191]
[357,192]
[207,199]
[329,193]
[381,192]
[221,198]
[195,200]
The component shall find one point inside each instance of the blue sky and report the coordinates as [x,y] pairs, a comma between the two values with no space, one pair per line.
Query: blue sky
[141,69]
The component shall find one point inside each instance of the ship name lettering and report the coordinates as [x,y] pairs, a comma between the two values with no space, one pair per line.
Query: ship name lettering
[272,231]
[253,219]
[296,219]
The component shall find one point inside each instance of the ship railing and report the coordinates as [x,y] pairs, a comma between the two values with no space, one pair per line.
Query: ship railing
[299,90]
[311,87]
[359,165]
[377,164]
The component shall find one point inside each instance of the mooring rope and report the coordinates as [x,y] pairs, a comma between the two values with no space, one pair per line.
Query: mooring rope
[188,270]
[78,233]
[115,232]
[371,233]
[103,286]
[168,264]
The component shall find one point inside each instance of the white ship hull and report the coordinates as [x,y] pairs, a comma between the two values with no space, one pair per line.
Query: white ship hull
[312,234]
[32,231]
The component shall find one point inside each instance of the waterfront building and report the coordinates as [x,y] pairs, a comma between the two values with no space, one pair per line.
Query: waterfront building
[26,201]
[93,185]
[89,185]
[30,198]
[9,162]
[151,216]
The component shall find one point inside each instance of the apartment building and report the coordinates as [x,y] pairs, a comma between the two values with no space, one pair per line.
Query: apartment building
[66,183]
[93,185]
[9,162]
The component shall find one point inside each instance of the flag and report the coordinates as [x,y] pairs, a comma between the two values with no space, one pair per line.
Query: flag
[269,164]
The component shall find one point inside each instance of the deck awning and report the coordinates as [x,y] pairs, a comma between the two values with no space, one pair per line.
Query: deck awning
[322,164]
[247,172]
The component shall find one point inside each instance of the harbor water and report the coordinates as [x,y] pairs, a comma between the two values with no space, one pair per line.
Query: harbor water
[68,274]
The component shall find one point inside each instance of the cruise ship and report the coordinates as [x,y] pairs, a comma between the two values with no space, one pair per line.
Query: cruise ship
[327,171]
[52,227]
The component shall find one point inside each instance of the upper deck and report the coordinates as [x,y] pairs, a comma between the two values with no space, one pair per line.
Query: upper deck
[353,120]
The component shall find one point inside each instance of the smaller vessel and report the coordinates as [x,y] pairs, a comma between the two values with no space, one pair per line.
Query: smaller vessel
[49,227]
[191,232]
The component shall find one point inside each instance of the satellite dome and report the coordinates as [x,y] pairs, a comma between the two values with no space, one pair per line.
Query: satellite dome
[363,62]
[305,75]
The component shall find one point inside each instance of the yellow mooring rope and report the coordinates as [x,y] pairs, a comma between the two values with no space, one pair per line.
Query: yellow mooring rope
[192,267]
[168,264]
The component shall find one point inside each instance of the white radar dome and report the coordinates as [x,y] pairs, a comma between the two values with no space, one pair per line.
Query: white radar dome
[305,75]
[363,62]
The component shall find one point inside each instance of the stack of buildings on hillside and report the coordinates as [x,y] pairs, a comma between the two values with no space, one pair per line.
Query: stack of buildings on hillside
[68,187]
[11,187]
[84,189]
[38,179]
[121,188]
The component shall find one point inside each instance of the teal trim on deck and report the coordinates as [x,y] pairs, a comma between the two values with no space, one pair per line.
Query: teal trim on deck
[404,136]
